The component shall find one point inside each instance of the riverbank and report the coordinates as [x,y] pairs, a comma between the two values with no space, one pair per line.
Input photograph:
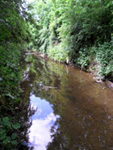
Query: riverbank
[82,38]
[92,69]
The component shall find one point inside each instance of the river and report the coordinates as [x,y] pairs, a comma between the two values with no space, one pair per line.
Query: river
[71,111]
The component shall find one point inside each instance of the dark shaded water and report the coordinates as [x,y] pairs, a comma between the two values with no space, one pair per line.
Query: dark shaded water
[71,111]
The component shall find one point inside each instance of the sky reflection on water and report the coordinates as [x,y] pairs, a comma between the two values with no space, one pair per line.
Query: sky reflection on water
[42,122]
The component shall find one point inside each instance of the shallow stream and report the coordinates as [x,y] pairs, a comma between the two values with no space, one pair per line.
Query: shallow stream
[71,111]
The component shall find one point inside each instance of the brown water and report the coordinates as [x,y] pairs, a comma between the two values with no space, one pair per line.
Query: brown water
[72,112]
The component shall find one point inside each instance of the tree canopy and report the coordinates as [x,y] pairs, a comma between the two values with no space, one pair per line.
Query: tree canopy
[78,29]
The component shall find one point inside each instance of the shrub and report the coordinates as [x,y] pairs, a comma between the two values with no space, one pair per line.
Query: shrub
[57,53]
[104,55]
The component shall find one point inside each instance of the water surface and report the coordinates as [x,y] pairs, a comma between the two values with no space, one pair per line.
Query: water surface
[72,112]
[42,122]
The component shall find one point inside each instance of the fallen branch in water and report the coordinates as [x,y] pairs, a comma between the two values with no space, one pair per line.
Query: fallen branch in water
[48,87]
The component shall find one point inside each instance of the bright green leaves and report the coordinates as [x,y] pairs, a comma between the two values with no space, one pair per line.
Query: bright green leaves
[57,53]
[78,24]
[75,26]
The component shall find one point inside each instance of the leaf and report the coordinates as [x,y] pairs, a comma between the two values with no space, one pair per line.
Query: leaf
[14,142]
[14,136]
[2,131]
[6,122]
[10,96]
[2,136]
[7,140]
[5,119]
[16,126]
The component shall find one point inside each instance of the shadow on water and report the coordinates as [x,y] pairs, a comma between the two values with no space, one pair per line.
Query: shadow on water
[72,112]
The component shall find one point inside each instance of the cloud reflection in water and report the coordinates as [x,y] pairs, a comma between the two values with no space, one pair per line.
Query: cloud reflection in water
[42,122]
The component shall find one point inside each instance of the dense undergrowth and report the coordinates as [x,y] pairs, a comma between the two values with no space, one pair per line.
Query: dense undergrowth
[13,39]
[80,30]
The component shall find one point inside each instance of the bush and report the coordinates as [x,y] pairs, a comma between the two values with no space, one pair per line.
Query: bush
[57,53]
[83,59]
[104,57]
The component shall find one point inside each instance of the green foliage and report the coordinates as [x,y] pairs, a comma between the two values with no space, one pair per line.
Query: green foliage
[33,36]
[85,25]
[13,26]
[44,39]
[104,57]
[13,38]
[57,53]
[83,60]
[13,33]
[8,135]
[74,29]
[76,25]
